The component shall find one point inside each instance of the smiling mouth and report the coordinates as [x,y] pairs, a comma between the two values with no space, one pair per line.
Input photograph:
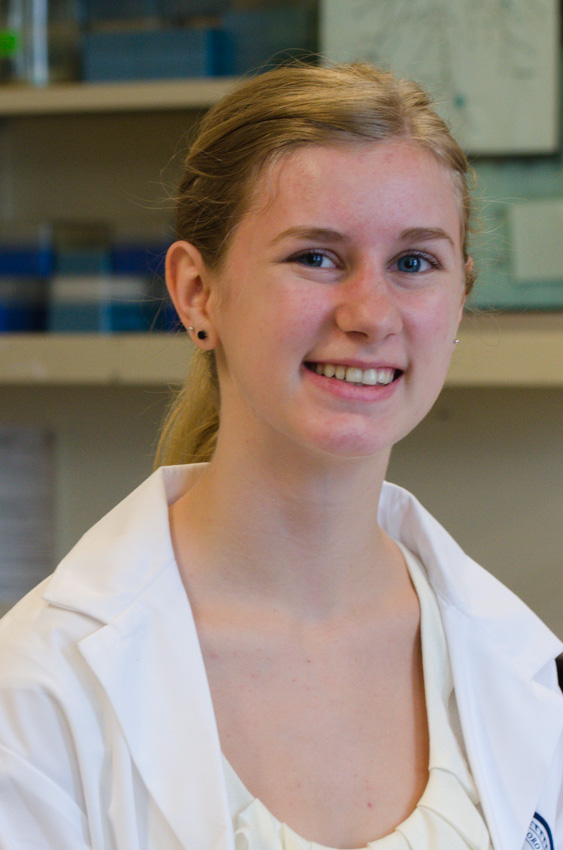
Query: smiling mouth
[353,375]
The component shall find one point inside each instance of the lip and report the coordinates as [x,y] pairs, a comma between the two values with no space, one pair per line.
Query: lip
[349,391]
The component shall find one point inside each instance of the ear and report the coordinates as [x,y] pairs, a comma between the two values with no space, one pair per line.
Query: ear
[187,279]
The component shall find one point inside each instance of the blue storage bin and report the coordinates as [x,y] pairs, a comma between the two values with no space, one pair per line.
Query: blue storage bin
[83,261]
[154,54]
[26,251]
[140,259]
[82,247]
[85,304]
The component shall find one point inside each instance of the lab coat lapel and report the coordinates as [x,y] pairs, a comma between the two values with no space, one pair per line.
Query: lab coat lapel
[498,649]
[149,664]
[146,657]
[510,752]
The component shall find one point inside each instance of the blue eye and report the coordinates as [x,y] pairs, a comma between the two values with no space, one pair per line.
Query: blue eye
[314,260]
[413,263]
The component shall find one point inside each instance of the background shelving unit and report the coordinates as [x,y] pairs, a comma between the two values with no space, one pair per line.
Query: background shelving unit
[496,350]
[80,98]
[488,460]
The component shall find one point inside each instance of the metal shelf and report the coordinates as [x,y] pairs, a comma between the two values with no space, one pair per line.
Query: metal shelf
[496,350]
[509,350]
[68,98]
[86,359]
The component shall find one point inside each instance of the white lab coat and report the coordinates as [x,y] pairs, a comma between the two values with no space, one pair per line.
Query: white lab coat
[107,733]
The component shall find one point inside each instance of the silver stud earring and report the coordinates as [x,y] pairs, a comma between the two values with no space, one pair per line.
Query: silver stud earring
[456,341]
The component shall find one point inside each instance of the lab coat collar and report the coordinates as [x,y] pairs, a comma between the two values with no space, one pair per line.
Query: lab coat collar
[120,556]
[123,574]
[499,651]
[147,659]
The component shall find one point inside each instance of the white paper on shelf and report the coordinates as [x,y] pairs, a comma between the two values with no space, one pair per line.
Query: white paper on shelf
[492,65]
[26,509]
[536,235]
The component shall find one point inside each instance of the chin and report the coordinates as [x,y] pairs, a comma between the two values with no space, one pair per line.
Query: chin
[350,446]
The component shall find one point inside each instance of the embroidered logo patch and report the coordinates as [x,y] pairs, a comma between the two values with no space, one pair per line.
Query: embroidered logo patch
[539,835]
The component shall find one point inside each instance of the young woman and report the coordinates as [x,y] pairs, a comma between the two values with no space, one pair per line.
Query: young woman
[266,646]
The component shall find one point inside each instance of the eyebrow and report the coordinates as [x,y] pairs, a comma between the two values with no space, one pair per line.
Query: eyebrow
[425,234]
[325,234]
[321,234]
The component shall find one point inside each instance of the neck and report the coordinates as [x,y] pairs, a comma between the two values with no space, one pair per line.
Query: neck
[298,532]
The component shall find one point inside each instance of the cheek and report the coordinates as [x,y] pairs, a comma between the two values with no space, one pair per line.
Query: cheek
[307,314]
[291,318]
[434,325]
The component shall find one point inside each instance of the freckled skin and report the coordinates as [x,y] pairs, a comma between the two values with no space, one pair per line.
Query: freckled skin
[284,313]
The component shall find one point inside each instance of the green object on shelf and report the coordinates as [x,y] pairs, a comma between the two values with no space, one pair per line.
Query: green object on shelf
[10,43]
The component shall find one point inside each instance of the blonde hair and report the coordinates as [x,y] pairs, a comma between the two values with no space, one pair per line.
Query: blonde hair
[265,118]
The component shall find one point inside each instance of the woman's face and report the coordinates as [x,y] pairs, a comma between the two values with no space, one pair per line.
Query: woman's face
[336,310]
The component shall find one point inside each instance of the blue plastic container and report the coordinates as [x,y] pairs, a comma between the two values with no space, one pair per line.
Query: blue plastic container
[154,54]
[26,251]
[83,304]
[130,258]
[82,247]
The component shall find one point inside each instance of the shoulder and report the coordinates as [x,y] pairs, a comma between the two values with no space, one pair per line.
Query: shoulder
[40,637]
[38,641]
[121,572]
[42,672]
[55,716]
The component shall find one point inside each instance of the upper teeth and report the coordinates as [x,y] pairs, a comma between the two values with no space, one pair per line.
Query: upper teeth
[355,375]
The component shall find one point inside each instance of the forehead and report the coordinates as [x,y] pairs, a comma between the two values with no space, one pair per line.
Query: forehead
[394,181]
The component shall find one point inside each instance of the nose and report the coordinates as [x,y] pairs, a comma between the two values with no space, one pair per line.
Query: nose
[367,306]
